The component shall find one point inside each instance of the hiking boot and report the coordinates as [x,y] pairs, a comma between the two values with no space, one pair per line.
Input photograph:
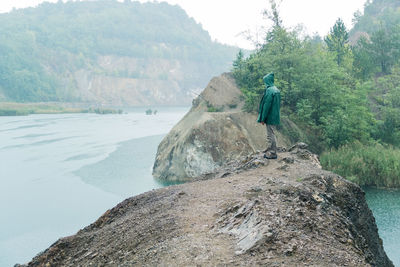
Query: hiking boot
[267,150]
[270,155]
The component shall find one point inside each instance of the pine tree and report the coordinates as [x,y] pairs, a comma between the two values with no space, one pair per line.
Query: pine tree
[337,41]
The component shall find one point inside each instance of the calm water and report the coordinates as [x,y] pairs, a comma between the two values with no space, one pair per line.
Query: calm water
[59,173]
[385,205]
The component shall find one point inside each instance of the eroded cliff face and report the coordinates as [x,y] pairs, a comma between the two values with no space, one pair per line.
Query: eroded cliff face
[285,212]
[203,141]
[125,81]
[129,81]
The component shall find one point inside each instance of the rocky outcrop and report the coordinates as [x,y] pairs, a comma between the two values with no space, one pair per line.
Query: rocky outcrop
[285,212]
[215,131]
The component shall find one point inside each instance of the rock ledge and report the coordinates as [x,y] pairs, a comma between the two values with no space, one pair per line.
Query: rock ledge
[285,212]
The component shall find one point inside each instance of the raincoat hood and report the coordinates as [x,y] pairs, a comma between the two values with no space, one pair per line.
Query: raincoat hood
[269,79]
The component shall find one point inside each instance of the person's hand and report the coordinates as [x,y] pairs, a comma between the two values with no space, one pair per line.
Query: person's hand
[262,123]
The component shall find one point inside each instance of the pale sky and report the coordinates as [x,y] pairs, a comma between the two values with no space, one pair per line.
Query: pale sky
[226,19]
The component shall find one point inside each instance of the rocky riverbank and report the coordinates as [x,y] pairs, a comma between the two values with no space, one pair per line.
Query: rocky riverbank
[252,211]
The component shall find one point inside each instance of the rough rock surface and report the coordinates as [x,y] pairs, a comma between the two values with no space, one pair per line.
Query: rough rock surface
[285,212]
[164,82]
[203,141]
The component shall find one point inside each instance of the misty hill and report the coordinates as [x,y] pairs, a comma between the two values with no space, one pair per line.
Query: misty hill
[377,14]
[106,52]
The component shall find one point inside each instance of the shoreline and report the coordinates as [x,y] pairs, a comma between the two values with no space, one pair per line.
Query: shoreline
[24,109]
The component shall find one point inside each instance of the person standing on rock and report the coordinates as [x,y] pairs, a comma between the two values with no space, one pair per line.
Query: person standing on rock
[269,113]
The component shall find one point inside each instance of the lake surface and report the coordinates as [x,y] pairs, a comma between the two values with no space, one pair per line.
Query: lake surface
[385,205]
[59,173]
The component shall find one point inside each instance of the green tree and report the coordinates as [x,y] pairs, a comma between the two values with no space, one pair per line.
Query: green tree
[238,62]
[363,64]
[384,48]
[273,14]
[387,100]
[381,50]
[337,41]
[315,89]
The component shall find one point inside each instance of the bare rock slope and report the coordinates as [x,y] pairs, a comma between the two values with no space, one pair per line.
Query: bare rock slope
[285,212]
[204,140]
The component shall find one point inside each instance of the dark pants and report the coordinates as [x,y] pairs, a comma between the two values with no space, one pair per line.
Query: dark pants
[271,140]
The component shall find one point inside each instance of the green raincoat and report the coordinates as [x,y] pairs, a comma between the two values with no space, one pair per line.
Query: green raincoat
[269,109]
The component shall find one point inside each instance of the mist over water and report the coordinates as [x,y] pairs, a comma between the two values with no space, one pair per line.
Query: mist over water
[59,173]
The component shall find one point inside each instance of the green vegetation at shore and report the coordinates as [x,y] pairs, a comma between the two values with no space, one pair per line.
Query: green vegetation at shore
[19,109]
[343,90]
[366,165]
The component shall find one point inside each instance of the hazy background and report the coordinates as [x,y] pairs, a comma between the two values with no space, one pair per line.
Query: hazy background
[99,55]
[225,19]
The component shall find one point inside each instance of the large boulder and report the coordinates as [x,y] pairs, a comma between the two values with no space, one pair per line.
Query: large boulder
[213,132]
